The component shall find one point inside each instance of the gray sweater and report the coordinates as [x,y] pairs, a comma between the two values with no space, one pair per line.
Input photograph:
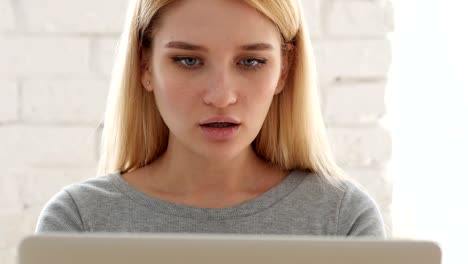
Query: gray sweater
[302,204]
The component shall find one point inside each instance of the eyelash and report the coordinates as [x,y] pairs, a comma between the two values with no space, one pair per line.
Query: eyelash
[178,62]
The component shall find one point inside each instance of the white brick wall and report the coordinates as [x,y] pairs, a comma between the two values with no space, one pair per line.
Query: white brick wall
[364,18]
[360,145]
[352,58]
[56,58]
[47,145]
[348,102]
[44,56]
[68,101]
[7,18]
[102,52]
[8,101]
[312,11]
[84,16]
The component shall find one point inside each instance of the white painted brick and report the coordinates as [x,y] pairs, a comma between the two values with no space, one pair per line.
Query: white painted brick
[103,53]
[12,229]
[358,102]
[311,10]
[7,17]
[47,146]
[39,184]
[8,255]
[363,146]
[8,101]
[68,101]
[358,18]
[84,16]
[44,56]
[10,187]
[361,59]
[34,186]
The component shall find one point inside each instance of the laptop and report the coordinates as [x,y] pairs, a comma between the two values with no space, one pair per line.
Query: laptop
[120,248]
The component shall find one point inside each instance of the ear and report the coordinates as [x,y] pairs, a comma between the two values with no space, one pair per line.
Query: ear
[287,58]
[145,69]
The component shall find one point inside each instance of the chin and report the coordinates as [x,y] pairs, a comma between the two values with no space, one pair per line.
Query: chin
[221,151]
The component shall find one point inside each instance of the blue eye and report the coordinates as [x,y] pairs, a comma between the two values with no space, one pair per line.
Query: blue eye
[192,63]
[252,63]
[186,61]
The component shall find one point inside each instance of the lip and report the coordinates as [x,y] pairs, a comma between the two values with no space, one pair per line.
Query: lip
[220,133]
[220,119]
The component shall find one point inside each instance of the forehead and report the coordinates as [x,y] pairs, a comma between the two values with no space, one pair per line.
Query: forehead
[216,22]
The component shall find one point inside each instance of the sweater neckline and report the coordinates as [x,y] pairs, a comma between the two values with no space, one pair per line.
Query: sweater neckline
[246,208]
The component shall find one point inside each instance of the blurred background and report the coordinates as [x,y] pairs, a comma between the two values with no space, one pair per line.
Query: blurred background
[428,106]
[393,90]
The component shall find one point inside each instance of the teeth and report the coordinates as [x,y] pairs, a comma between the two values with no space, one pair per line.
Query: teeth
[220,124]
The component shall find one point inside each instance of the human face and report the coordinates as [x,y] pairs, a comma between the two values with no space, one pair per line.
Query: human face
[209,59]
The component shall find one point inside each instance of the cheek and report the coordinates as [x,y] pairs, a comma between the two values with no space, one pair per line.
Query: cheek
[175,96]
[173,89]
[263,82]
[260,87]
[259,94]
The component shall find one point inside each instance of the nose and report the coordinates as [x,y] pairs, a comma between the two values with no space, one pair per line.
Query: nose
[220,90]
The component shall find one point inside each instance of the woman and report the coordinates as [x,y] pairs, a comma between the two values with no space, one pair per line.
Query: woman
[213,125]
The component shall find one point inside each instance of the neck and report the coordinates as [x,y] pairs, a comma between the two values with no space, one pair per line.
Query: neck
[181,171]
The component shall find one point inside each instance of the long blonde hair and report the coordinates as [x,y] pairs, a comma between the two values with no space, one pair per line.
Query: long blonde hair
[293,135]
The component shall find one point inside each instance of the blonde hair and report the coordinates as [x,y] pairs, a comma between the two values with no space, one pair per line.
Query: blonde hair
[293,135]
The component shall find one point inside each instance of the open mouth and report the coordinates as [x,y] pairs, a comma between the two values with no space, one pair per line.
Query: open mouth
[220,124]
[220,130]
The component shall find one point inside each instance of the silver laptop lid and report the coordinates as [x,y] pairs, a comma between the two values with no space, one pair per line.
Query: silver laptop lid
[227,249]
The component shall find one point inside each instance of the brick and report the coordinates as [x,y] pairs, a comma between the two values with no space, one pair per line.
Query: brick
[26,146]
[12,229]
[362,145]
[85,16]
[10,190]
[44,56]
[311,10]
[8,255]
[8,101]
[25,224]
[34,186]
[352,59]
[358,18]
[103,52]
[38,185]
[348,103]
[7,16]
[69,101]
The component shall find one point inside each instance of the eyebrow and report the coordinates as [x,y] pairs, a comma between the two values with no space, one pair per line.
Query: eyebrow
[188,46]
